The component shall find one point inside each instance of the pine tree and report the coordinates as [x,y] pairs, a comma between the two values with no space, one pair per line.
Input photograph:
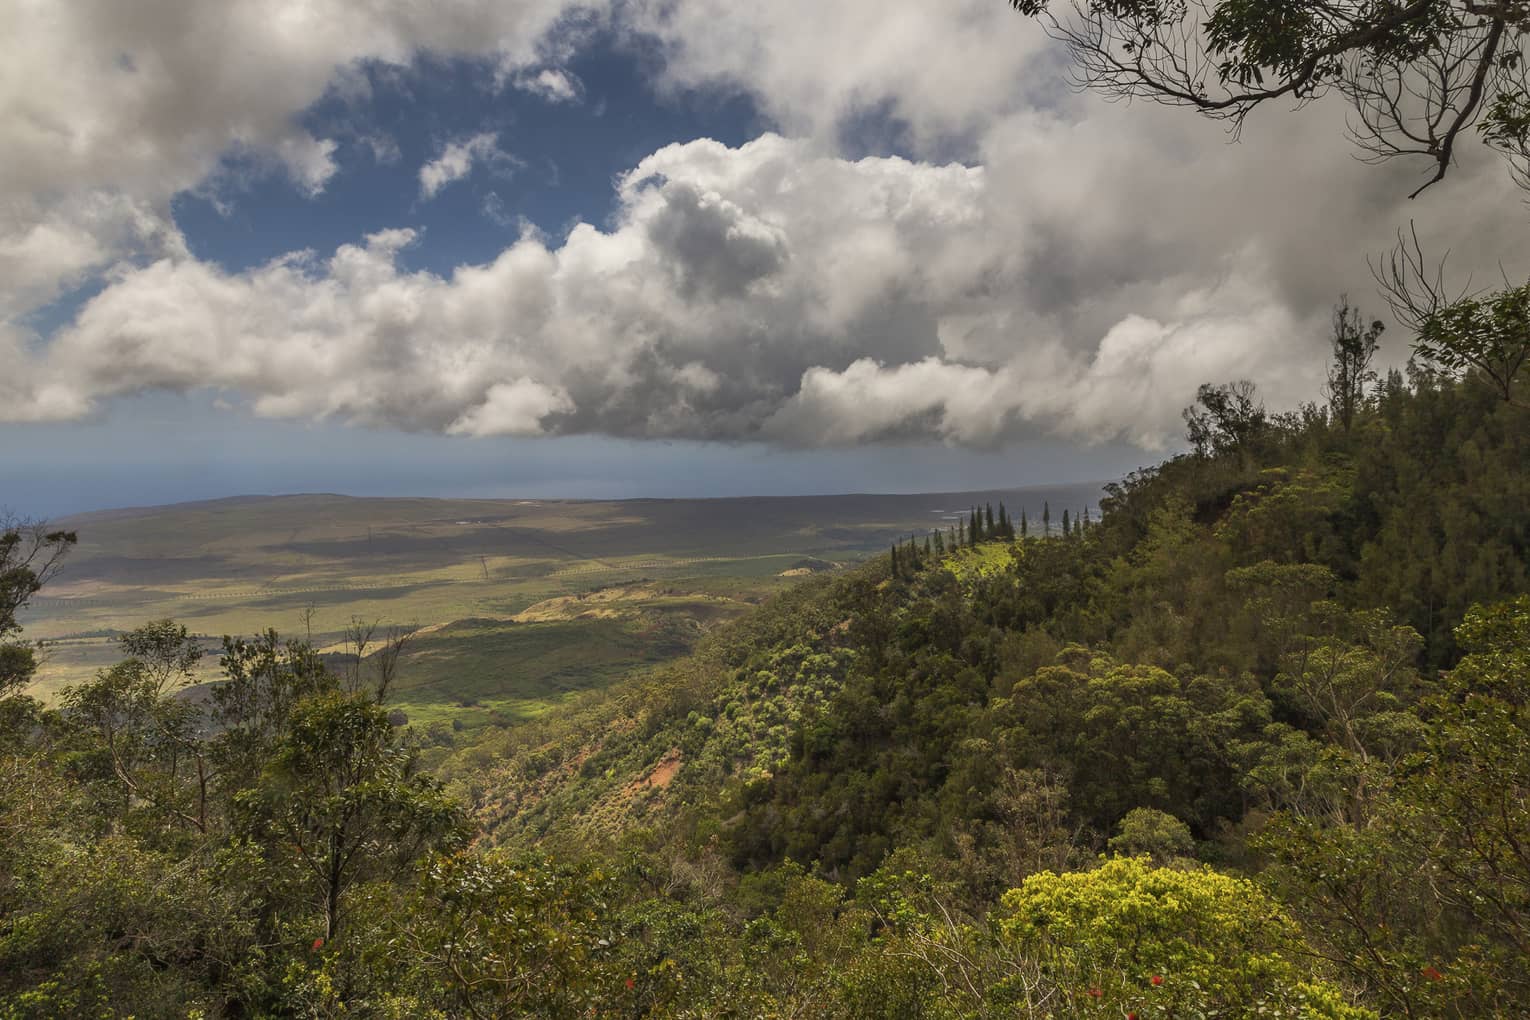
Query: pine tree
[1085,522]
[974,528]
[940,543]
[929,550]
[1006,529]
[1046,520]
[961,534]
[1066,529]
[988,513]
[1025,525]
[895,570]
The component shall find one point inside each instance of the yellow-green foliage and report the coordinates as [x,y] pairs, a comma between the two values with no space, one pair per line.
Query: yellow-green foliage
[985,560]
[1129,938]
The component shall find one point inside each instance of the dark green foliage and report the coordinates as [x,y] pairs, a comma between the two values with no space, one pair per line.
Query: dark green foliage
[1349,370]
[1225,419]
[178,848]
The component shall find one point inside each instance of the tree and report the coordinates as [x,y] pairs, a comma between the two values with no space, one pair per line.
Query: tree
[1157,834]
[340,803]
[1354,345]
[1483,333]
[1046,519]
[1067,526]
[30,554]
[1025,525]
[1418,73]
[988,528]
[1224,418]
[152,741]
[1130,939]
[517,937]
[384,658]
[1434,879]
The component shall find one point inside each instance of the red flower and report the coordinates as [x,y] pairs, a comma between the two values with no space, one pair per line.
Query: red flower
[318,944]
[1432,974]
[1131,1016]
[1157,980]
[631,984]
[1095,993]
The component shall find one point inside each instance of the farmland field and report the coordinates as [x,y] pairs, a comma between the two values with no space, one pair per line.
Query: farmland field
[515,604]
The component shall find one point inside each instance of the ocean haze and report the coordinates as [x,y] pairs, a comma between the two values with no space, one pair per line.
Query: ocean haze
[189,450]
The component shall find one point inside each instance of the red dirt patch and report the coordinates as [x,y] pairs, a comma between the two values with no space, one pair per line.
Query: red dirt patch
[662,775]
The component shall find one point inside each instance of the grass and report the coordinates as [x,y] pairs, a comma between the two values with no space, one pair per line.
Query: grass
[488,671]
[308,565]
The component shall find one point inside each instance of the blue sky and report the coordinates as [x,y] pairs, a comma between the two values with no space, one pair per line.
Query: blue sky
[531,247]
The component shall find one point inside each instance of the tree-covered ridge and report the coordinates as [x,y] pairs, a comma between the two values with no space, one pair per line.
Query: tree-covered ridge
[1254,743]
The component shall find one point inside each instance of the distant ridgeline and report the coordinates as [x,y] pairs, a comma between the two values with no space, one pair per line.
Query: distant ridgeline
[1255,742]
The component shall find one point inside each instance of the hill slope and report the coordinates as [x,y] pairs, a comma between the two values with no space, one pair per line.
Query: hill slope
[1255,745]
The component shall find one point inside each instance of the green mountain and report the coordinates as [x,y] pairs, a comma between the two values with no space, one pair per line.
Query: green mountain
[1254,742]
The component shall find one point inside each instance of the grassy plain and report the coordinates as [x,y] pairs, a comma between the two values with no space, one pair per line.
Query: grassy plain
[518,603]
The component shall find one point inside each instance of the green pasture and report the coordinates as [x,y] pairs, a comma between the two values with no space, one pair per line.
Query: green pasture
[458,570]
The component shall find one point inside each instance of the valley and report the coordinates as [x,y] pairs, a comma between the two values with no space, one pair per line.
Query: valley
[514,605]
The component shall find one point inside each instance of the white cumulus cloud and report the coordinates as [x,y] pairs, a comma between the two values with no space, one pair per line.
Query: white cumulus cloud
[457,160]
[765,291]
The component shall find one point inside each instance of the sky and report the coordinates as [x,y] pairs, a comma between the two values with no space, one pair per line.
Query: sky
[644,248]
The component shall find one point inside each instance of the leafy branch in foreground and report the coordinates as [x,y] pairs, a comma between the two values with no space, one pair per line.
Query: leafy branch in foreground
[1418,75]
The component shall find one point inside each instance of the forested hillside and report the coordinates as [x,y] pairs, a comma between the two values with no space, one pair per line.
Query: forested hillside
[1254,743]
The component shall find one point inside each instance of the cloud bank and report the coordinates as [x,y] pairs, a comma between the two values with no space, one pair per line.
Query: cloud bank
[1043,264]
